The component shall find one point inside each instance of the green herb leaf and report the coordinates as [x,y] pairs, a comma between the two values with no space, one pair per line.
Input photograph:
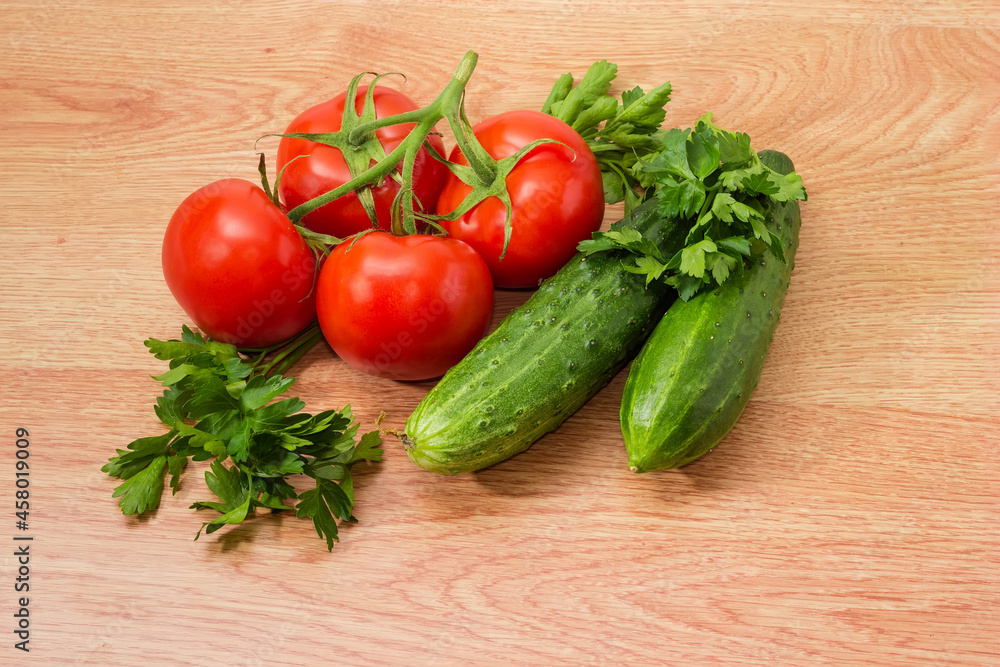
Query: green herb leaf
[647,266]
[734,149]
[721,265]
[693,257]
[702,154]
[672,160]
[324,504]
[735,244]
[681,199]
[139,455]
[599,243]
[176,374]
[210,396]
[172,349]
[595,84]
[235,515]
[758,182]
[141,492]
[560,89]
[239,443]
[175,465]
[620,237]
[630,97]
[641,111]
[687,286]
[602,109]
[226,483]
[260,390]
[368,449]
[789,186]
[275,417]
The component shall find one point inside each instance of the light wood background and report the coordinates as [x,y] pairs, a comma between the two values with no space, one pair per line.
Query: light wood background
[851,516]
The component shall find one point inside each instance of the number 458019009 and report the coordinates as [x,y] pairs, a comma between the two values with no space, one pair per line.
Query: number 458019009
[21,466]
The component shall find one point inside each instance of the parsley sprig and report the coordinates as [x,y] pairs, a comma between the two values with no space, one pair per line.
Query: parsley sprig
[620,133]
[715,182]
[219,405]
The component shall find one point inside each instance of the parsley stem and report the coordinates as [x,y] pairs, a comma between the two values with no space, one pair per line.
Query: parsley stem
[709,199]
[294,356]
[292,352]
[603,148]
[263,351]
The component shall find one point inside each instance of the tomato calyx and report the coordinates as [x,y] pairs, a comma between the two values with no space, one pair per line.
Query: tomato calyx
[487,184]
[360,150]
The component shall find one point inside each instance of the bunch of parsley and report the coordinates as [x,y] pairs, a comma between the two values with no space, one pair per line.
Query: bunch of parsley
[218,405]
[709,179]
[714,182]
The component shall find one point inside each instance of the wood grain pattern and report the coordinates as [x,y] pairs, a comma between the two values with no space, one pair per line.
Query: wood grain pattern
[850,517]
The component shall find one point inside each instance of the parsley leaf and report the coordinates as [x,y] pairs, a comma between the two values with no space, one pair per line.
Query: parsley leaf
[681,200]
[259,390]
[228,484]
[735,244]
[220,405]
[323,505]
[647,266]
[595,85]
[702,153]
[138,456]
[176,465]
[693,257]
[368,448]
[141,492]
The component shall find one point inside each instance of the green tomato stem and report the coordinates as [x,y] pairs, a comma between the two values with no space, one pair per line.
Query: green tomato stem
[359,134]
[376,173]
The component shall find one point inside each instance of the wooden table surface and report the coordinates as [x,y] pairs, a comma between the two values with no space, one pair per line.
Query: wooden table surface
[852,516]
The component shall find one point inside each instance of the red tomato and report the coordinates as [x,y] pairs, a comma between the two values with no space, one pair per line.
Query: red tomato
[238,267]
[404,307]
[325,169]
[557,197]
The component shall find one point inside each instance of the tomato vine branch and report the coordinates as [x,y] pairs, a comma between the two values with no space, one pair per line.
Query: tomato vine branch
[486,176]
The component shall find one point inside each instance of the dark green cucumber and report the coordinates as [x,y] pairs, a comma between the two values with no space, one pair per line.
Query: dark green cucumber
[692,379]
[544,361]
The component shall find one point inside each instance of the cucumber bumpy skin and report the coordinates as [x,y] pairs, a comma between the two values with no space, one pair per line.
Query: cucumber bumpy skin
[692,379]
[544,361]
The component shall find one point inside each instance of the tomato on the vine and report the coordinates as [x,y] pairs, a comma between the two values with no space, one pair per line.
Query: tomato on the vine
[238,267]
[556,193]
[324,168]
[404,307]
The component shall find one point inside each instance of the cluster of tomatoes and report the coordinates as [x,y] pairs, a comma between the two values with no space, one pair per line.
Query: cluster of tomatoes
[406,307]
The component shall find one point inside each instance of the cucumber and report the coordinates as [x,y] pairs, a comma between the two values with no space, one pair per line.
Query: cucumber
[692,379]
[544,361]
